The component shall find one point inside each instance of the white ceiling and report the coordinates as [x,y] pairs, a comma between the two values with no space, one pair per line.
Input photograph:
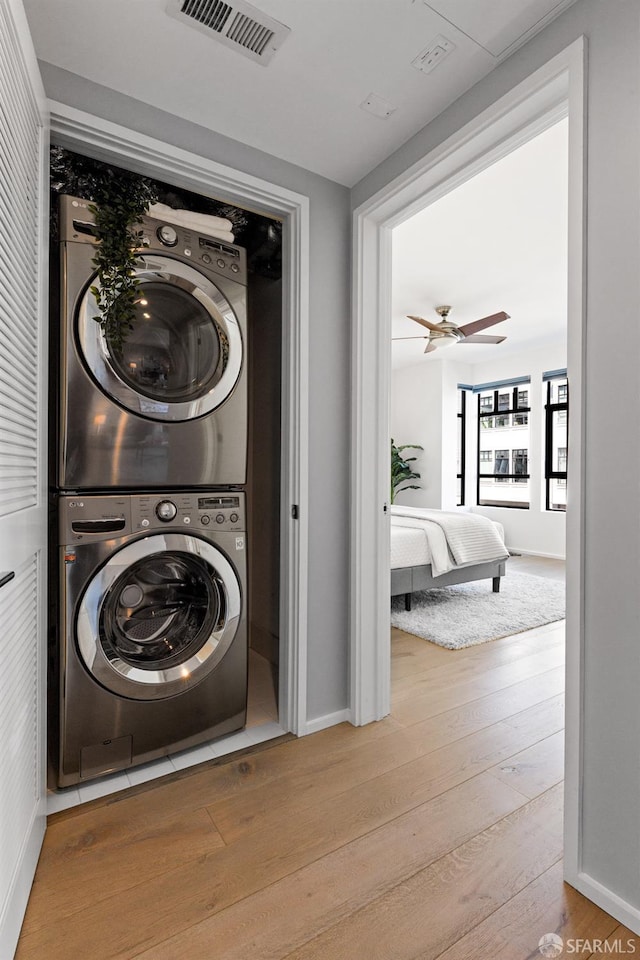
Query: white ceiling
[498,242]
[304,106]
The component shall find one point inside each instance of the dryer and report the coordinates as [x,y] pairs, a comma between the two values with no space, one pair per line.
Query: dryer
[168,408]
[152,627]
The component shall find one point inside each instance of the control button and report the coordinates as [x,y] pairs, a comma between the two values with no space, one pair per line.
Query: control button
[167,235]
[234,518]
[205,519]
[220,518]
[187,252]
[220,262]
[146,242]
[186,519]
[166,510]
[206,258]
[235,268]
[144,522]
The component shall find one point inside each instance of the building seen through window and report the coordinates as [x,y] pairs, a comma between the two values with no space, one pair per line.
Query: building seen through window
[503,447]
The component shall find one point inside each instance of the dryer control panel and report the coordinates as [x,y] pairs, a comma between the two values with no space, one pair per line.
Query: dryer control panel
[93,517]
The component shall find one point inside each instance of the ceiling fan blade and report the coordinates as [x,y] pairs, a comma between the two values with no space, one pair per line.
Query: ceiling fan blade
[410,338]
[430,348]
[479,325]
[482,338]
[426,323]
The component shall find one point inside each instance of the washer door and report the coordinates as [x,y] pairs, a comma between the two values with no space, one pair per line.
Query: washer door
[158,616]
[183,356]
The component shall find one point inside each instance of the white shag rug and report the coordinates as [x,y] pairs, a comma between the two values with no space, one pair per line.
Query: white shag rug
[470,613]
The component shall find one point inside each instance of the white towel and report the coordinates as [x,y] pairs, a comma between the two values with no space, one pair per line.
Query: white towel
[218,227]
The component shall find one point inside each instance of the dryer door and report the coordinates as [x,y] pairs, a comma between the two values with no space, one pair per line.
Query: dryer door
[158,616]
[183,356]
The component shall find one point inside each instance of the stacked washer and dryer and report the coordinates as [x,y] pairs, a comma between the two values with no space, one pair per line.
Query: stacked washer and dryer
[151,629]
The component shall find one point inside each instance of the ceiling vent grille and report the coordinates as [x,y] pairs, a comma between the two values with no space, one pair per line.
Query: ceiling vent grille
[238,25]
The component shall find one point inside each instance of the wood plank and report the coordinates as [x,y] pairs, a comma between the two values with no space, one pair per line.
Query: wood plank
[502,705]
[443,697]
[546,653]
[400,787]
[546,906]
[267,925]
[461,890]
[534,770]
[89,867]
[422,656]
[264,807]
[620,942]
[263,856]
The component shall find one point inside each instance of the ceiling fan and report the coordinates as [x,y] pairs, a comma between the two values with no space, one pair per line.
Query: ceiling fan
[445,333]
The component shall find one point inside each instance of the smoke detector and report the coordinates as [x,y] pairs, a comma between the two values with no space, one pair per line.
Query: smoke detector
[239,25]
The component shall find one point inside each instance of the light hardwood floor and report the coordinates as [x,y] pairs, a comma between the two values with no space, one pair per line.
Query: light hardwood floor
[435,833]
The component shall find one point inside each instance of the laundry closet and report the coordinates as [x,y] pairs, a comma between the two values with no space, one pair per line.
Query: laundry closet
[164,482]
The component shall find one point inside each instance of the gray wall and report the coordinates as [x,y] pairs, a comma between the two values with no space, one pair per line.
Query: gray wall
[329,350]
[612,537]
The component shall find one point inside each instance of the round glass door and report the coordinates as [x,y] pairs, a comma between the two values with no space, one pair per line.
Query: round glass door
[158,616]
[184,354]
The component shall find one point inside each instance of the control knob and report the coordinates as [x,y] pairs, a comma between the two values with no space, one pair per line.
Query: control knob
[166,510]
[167,235]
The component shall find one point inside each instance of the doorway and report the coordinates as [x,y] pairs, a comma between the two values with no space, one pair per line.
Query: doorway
[553,92]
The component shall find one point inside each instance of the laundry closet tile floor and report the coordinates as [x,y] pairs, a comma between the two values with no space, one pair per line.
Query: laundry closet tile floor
[262,725]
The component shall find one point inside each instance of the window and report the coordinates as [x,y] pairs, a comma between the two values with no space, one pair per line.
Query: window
[462,439]
[521,465]
[503,474]
[502,462]
[556,442]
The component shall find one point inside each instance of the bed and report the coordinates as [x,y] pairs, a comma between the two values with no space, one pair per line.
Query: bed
[434,548]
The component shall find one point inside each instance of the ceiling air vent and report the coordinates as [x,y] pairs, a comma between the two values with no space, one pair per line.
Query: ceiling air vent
[238,25]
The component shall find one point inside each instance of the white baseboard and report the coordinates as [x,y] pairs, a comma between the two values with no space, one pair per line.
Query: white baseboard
[607,900]
[536,553]
[328,720]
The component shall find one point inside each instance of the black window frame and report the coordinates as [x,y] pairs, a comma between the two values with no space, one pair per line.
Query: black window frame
[549,473]
[516,397]
[462,428]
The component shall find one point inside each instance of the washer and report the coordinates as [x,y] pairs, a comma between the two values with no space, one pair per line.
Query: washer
[152,627]
[168,409]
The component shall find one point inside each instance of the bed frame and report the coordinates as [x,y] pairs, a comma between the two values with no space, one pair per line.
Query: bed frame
[407,580]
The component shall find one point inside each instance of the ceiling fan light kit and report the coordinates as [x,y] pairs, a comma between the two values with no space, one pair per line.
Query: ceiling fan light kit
[446,334]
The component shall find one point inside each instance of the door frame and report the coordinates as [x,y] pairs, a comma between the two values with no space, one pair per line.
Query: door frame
[555,90]
[111,142]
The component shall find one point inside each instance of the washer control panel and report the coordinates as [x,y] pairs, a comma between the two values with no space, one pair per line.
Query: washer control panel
[92,517]
[213,510]
[209,251]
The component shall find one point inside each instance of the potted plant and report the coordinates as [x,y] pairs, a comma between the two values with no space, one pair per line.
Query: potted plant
[401,472]
[119,199]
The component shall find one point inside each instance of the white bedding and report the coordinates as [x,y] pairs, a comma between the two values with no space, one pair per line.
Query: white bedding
[445,540]
[409,547]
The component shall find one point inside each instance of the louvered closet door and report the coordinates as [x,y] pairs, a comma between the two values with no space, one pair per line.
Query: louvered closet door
[23,503]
